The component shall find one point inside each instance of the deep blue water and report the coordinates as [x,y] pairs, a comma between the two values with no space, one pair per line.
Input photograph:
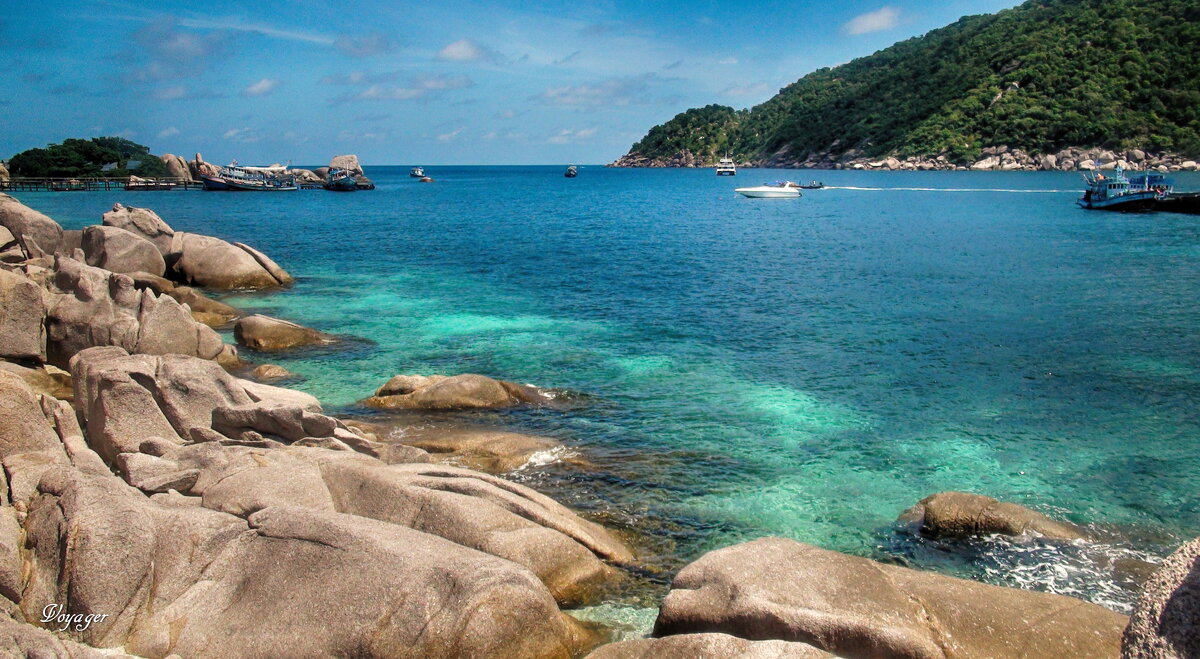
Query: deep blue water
[807,368]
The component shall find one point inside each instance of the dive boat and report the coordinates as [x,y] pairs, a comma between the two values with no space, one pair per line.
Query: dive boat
[572,171]
[726,167]
[776,190]
[1116,192]
[416,172]
[341,180]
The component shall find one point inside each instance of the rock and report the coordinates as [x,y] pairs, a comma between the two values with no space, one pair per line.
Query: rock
[266,393]
[10,249]
[4,176]
[1136,155]
[100,308]
[400,385]
[71,241]
[322,172]
[269,265]
[48,380]
[25,640]
[204,309]
[118,250]
[271,372]
[37,234]
[213,263]
[963,514]
[1188,165]
[709,646]
[991,162]
[22,318]
[269,334]
[490,451]
[1049,162]
[467,391]
[143,222]
[775,588]
[177,167]
[349,162]
[1167,614]
[160,285]
[1086,165]
[306,176]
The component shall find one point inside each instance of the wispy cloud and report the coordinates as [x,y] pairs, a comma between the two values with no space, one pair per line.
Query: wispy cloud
[567,135]
[245,135]
[465,50]
[375,43]
[168,132]
[165,52]
[750,89]
[728,61]
[452,135]
[673,65]
[417,88]
[360,78]
[885,18]
[241,25]
[614,91]
[568,58]
[261,88]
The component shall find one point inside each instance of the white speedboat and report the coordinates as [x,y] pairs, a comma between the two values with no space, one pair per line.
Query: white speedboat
[776,190]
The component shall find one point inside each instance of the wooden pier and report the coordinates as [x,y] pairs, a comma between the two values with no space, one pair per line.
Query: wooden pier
[99,184]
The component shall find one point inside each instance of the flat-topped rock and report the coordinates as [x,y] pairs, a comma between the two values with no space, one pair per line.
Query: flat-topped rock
[775,588]
[457,392]
[269,334]
[957,514]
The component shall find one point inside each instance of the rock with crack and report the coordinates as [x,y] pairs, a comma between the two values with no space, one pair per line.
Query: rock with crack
[775,588]
[957,514]
[458,392]
[96,307]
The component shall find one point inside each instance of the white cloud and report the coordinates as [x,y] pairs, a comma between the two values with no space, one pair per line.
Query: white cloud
[261,88]
[168,132]
[241,135]
[614,91]
[750,89]
[375,43]
[567,135]
[463,50]
[421,86]
[452,135]
[873,21]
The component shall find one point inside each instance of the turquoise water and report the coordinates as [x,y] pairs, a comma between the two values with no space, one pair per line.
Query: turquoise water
[735,367]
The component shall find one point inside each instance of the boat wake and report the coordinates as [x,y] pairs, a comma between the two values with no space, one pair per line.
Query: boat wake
[852,187]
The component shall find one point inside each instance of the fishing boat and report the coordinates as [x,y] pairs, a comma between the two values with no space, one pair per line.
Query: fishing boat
[776,190]
[572,171]
[1116,192]
[725,167]
[417,172]
[341,180]
[235,177]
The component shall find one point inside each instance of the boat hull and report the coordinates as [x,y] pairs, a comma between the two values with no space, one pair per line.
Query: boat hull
[1132,202]
[247,187]
[214,183]
[347,184]
[768,192]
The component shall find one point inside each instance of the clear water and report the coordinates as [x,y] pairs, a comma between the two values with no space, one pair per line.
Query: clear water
[807,368]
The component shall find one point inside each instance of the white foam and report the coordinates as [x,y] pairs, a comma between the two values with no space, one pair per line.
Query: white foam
[851,187]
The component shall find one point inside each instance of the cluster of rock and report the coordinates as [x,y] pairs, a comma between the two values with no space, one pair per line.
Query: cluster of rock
[998,158]
[775,597]
[194,169]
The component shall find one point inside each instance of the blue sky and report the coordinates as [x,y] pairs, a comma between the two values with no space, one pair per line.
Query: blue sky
[491,82]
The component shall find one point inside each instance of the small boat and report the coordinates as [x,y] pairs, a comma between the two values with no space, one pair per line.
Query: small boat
[572,171]
[726,167]
[812,185]
[341,180]
[416,172]
[1116,192]
[776,190]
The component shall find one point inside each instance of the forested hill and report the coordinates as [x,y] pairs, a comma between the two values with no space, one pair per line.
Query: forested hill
[1041,77]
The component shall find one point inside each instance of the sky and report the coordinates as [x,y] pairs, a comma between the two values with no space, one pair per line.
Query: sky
[486,82]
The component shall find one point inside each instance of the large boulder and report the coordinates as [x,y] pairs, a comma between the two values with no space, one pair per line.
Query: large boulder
[775,588]
[709,646]
[1166,619]
[959,514]
[269,334]
[4,176]
[143,222]
[468,391]
[199,168]
[22,318]
[349,162]
[100,308]
[37,234]
[118,250]
[213,263]
[177,167]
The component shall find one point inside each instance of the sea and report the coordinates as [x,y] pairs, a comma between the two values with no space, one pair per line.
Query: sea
[728,368]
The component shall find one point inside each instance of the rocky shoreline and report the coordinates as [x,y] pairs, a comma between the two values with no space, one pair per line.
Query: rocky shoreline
[999,158]
[161,499]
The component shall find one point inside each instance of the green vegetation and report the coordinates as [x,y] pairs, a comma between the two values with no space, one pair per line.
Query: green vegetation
[1040,77]
[76,158]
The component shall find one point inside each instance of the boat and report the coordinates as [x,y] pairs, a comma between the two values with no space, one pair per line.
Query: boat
[725,167]
[572,171]
[776,190]
[341,180]
[213,182]
[417,172]
[1116,192]
[73,185]
[812,185]
[137,184]
[251,179]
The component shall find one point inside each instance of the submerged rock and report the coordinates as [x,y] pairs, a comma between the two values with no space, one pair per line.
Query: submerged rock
[774,588]
[962,514]
[491,451]
[435,392]
[271,372]
[1166,621]
[269,334]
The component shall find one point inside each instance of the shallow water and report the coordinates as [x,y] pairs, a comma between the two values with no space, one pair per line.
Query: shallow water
[807,368]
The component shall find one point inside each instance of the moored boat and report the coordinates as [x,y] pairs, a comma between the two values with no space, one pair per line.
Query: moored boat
[417,172]
[251,179]
[726,167]
[341,180]
[572,171]
[1116,192]
[776,190]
